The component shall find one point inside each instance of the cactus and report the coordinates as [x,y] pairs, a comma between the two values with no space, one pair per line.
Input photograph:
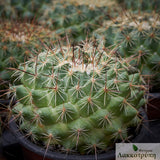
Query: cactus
[77,98]
[17,40]
[22,8]
[74,19]
[99,3]
[138,39]
[64,17]
[140,5]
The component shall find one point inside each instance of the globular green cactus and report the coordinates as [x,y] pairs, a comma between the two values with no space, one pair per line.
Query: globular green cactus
[73,19]
[140,5]
[78,98]
[137,36]
[64,17]
[23,9]
[97,3]
[17,41]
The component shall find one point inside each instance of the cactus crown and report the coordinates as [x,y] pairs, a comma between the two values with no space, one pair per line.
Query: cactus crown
[78,98]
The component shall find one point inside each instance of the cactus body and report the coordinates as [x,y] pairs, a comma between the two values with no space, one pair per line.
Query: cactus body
[17,42]
[78,21]
[23,9]
[140,5]
[138,39]
[79,98]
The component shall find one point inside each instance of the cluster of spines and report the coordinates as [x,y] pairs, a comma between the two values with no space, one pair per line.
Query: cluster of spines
[77,92]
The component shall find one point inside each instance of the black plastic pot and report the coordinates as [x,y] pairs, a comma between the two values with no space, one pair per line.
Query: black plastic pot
[153,106]
[3,109]
[6,102]
[34,152]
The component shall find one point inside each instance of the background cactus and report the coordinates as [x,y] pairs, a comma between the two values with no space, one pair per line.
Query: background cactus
[140,5]
[78,98]
[78,21]
[23,9]
[64,17]
[17,41]
[99,3]
[137,36]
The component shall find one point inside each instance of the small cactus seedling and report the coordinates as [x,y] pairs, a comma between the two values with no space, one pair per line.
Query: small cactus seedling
[78,98]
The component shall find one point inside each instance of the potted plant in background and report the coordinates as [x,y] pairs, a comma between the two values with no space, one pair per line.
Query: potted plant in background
[139,5]
[78,21]
[22,9]
[137,37]
[76,99]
